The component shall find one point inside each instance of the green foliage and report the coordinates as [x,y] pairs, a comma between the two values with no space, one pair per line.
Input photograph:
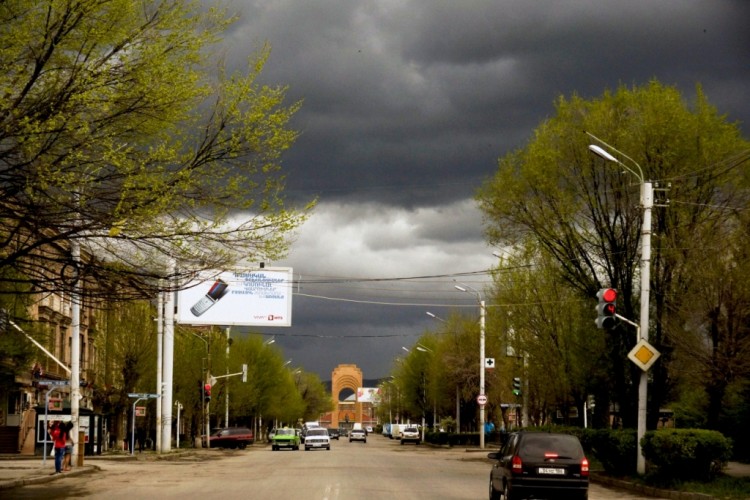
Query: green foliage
[583,219]
[118,115]
[615,449]
[680,454]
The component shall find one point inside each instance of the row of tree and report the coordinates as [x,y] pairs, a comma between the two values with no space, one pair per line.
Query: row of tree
[126,362]
[571,225]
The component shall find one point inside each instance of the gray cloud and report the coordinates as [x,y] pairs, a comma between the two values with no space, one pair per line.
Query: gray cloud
[408,105]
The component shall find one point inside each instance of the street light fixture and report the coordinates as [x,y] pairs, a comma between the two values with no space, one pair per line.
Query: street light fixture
[647,203]
[482,313]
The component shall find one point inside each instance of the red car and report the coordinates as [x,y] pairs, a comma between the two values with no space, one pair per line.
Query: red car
[231,437]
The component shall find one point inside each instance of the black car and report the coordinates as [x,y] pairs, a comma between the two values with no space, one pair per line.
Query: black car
[540,465]
[333,434]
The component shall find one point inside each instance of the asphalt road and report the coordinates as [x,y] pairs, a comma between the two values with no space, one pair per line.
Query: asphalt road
[378,469]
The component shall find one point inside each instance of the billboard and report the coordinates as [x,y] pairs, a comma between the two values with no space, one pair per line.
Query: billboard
[368,395]
[257,297]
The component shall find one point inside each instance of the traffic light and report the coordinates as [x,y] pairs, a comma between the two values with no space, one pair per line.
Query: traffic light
[207,392]
[516,386]
[606,310]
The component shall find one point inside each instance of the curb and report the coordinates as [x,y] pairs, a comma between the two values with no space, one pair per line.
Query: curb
[16,483]
[645,490]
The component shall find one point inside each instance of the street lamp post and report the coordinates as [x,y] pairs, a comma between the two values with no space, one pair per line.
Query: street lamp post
[482,314]
[458,399]
[647,203]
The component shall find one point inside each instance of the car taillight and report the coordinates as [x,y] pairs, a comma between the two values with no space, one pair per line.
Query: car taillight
[516,465]
[584,467]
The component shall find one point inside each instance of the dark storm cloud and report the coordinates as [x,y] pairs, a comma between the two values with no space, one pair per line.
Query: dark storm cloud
[408,104]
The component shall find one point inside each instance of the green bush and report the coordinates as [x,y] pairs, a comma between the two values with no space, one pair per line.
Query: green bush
[616,449]
[680,454]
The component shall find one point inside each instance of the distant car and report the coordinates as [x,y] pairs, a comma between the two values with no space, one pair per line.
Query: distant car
[368,429]
[271,434]
[285,438]
[231,437]
[539,464]
[317,437]
[410,435]
[343,431]
[333,434]
[357,435]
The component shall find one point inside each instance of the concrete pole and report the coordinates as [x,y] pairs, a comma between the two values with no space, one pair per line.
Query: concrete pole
[159,365]
[75,352]
[226,384]
[168,371]
[647,202]
[482,314]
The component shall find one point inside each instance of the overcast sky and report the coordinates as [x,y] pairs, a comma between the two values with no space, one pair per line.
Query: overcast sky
[408,104]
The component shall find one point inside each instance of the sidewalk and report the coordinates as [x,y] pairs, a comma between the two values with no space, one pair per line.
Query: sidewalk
[18,470]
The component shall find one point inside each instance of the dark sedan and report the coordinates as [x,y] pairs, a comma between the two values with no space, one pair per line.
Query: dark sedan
[333,434]
[540,465]
[231,437]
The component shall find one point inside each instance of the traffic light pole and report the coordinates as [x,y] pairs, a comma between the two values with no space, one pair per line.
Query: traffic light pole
[647,204]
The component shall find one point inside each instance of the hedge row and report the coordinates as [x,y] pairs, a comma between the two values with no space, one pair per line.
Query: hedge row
[671,453]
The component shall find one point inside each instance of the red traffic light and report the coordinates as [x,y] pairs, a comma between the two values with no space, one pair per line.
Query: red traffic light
[606,310]
[207,388]
[607,295]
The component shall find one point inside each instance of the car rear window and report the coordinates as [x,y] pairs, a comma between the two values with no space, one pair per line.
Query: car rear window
[411,429]
[285,432]
[535,446]
[317,432]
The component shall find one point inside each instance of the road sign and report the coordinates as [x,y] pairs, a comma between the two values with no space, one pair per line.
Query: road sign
[482,399]
[489,362]
[53,382]
[142,395]
[644,355]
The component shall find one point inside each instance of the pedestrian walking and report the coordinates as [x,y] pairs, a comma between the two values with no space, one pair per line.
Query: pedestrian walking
[57,432]
[69,444]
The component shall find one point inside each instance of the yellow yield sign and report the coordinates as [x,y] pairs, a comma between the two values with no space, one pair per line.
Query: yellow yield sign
[644,355]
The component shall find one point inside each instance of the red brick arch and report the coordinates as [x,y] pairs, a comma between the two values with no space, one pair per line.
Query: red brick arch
[345,377]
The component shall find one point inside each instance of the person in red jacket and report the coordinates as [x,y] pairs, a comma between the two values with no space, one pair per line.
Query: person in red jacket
[57,431]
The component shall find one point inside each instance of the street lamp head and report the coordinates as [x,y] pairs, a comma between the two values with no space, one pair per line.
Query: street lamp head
[459,288]
[430,314]
[404,348]
[598,151]
[270,341]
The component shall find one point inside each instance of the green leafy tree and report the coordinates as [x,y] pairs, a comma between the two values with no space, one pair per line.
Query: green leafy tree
[584,214]
[119,129]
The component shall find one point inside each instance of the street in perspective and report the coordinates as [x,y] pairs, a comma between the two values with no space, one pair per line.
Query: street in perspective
[378,469]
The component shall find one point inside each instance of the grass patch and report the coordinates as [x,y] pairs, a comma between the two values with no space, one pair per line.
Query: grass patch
[723,487]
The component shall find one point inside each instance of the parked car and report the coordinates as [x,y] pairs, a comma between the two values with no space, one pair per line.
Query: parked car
[333,434]
[357,435]
[285,438]
[231,437]
[317,437]
[410,435]
[343,432]
[539,464]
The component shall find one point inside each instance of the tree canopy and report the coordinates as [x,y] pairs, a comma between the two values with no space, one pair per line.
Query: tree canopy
[583,215]
[119,128]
